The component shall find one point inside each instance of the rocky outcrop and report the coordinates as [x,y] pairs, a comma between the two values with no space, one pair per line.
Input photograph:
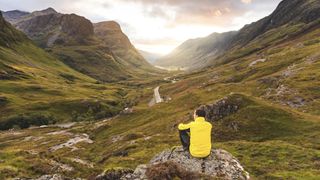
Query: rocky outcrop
[222,108]
[14,16]
[177,163]
[65,28]
[113,174]
[111,34]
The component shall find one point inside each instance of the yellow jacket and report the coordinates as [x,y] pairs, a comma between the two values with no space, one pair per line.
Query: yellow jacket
[200,137]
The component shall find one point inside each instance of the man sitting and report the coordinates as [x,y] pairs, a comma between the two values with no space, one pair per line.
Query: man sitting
[196,135]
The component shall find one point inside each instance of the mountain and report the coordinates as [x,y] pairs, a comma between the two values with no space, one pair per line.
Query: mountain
[110,33]
[8,34]
[36,88]
[290,19]
[194,53]
[47,27]
[15,15]
[75,41]
[262,97]
[149,56]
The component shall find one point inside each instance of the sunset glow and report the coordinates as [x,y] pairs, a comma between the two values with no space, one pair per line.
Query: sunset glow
[159,26]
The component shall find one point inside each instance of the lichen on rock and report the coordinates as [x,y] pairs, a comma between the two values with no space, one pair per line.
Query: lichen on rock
[178,163]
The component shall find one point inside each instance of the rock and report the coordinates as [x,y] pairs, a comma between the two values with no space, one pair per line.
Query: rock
[257,61]
[51,177]
[72,142]
[127,110]
[113,174]
[221,108]
[177,163]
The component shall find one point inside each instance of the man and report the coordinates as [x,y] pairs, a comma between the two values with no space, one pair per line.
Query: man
[196,135]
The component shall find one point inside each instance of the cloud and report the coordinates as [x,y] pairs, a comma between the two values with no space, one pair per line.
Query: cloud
[246,1]
[159,25]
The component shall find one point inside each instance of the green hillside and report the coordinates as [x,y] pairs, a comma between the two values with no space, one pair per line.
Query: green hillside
[273,80]
[101,51]
[277,134]
[37,88]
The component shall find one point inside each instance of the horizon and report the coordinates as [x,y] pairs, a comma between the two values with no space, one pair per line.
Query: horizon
[170,22]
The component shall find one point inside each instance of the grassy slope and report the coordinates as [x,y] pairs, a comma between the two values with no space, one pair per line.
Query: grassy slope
[46,85]
[274,140]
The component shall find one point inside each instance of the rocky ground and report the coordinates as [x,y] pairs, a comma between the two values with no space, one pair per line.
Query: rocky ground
[177,163]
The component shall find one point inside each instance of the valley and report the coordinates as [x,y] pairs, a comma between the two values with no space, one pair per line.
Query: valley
[78,108]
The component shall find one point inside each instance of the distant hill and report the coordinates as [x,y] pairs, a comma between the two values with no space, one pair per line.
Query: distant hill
[149,56]
[194,53]
[74,40]
[291,18]
[15,15]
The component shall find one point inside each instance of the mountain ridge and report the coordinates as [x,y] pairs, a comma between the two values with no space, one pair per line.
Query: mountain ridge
[289,13]
[74,38]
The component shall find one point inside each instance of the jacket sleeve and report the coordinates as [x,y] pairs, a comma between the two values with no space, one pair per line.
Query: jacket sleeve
[184,126]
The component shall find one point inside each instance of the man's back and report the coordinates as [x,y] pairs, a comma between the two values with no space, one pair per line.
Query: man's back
[200,137]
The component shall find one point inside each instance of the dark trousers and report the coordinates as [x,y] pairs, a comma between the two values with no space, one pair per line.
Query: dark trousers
[185,138]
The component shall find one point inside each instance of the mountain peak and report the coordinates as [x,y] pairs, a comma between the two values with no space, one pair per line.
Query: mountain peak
[50,10]
[47,11]
[110,25]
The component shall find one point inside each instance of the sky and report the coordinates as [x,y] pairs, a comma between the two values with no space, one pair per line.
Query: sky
[159,26]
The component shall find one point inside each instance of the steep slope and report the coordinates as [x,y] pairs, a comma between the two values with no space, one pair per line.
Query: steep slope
[195,52]
[9,35]
[264,106]
[125,53]
[71,38]
[14,16]
[36,88]
[149,56]
[48,28]
[290,19]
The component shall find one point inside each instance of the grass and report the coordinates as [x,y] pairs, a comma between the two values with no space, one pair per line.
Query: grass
[273,140]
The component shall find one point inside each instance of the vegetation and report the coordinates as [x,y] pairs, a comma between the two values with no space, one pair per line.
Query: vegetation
[277,134]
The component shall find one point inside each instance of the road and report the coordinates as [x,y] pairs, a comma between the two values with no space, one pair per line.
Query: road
[157,96]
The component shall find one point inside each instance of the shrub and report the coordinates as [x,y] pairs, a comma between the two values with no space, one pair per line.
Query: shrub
[26,120]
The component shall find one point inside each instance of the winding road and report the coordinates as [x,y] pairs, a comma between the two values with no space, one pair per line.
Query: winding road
[157,96]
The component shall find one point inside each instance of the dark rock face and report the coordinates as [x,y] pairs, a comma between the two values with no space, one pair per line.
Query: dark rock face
[52,28]
[74,25]
[111,34]
[177,163]
[221,108]
[14,16]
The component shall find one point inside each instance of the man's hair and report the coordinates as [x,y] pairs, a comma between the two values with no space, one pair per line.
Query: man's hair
[200,113]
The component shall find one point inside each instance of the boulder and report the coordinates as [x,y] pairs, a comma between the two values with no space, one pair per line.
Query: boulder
[177,163]
[113,174]
[222,108]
